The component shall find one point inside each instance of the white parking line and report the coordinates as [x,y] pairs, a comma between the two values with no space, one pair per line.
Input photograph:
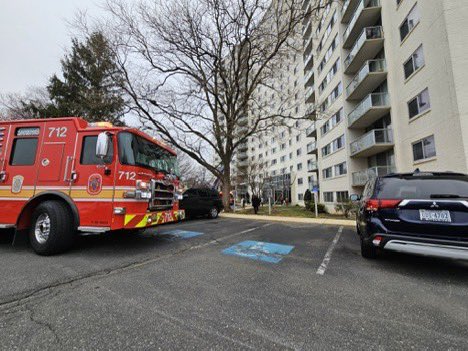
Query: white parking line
[326,260]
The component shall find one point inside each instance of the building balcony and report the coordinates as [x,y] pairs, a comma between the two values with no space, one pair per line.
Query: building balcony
[366,47]
[242,155]
[243,147]
[309,60]
[310,94]
[310,132]
[369,77]
[369,110]
[312,147]
[307,30]
[366,14]
[361,178]
[243,121]
[243,163]
[312,166]
[308,78]
[372,143]
[347,10]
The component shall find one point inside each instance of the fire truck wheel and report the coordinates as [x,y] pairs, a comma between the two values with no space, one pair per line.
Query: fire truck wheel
[213,213]
[52,230]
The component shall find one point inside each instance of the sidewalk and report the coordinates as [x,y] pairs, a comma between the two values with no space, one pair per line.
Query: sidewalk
[324,221]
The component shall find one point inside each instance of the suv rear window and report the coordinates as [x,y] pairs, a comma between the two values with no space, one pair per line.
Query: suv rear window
[422,187]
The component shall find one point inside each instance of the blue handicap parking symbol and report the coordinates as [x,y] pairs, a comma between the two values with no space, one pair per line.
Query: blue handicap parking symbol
[182,234]
[257,250]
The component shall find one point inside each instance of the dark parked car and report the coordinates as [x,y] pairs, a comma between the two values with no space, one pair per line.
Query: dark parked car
[201,202]
[422,213]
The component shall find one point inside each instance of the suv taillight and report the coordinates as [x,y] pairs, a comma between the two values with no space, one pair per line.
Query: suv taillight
[378,204]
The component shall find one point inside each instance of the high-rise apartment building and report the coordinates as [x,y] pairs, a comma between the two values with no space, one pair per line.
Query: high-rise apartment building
[386,81]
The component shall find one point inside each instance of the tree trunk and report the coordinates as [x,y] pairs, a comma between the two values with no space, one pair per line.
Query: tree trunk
[227,194]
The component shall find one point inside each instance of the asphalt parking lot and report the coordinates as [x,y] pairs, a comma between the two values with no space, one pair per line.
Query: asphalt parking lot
[220,285]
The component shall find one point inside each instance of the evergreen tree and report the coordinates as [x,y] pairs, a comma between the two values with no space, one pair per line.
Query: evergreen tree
[90,87]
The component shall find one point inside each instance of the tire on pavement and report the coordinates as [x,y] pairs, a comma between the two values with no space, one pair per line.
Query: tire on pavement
[52,228]
[213,214]
[368,250]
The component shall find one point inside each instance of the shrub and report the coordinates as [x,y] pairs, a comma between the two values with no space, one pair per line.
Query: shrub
[347,208]
[320,207]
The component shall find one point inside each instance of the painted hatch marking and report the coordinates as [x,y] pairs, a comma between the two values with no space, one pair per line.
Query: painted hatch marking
[182,234]
[258,250]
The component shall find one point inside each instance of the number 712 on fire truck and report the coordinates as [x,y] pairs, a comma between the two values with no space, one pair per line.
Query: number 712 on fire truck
[61,176]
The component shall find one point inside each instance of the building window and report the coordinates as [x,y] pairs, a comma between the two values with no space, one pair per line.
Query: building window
[274,162]
[290,155]
[300,181]
[283,158]
[415,62]
[328,196]
[424,148]
[332,97]
[298,152]
[298,138]
[341,169]
[330,75]
[300,197]
[332,122]
[328,54]
[419,104]
[334,146]
[342,196]
[327,173]
[409,23]
[299,166]
[283,146]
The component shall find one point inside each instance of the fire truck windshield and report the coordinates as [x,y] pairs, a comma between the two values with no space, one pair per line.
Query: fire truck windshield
[137,151]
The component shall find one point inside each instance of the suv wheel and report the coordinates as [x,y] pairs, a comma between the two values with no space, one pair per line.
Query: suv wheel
[52,229]
[213,213]
[368,250]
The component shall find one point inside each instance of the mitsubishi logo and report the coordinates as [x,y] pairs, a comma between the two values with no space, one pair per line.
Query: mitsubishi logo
[434,205]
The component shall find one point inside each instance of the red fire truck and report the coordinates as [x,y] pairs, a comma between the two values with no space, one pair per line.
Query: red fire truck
[61,176]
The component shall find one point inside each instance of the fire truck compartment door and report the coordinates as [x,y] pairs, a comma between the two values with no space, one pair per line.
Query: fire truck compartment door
[52,162]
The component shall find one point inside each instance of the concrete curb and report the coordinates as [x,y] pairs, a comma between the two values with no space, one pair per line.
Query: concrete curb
[324,221]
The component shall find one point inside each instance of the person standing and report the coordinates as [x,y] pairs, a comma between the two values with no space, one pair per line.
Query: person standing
[255,203]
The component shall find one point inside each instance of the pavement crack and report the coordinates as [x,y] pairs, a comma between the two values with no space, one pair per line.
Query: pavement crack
[48,326]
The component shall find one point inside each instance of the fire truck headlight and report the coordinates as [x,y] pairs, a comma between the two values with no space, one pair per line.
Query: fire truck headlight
[142,185]
[145,195]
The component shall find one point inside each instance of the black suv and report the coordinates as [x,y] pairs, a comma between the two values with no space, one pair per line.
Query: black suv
[201,202]
[422,213]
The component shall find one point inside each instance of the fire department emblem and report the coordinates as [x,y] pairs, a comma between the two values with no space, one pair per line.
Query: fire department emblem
[17,184]
[94,184]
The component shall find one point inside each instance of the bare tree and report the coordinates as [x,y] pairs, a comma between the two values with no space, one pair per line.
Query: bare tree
[15,104]
[254,175]
[193,175]
[192,68]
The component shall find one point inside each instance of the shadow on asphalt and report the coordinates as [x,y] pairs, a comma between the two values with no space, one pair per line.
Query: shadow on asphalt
[424,267]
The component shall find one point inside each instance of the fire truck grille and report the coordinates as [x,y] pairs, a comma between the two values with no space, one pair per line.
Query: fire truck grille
[162,195]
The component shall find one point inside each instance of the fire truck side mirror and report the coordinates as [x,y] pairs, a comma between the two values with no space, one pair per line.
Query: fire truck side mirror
[102,145]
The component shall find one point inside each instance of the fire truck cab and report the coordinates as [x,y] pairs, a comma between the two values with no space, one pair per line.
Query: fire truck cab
[61,176]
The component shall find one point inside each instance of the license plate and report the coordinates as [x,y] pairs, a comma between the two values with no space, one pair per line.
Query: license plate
[435,216]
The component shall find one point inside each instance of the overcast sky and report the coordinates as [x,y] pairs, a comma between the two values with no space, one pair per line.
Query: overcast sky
[33,37]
